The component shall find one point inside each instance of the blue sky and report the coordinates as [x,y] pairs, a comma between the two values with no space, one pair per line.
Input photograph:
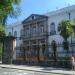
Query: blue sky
[29,7]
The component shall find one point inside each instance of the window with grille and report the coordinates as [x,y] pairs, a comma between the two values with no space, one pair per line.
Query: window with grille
[15,33]
[52,29]
[9,34]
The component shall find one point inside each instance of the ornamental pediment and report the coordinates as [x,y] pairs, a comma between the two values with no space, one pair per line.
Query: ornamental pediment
[34,17]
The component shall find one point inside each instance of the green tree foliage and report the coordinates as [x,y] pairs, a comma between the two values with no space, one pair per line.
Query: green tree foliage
[66,29]
[8,7]
[2,31]
[2,34]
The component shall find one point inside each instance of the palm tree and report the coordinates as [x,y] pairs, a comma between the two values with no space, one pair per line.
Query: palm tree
[66,30]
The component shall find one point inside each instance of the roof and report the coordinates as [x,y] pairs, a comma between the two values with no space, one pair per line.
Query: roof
[63,10]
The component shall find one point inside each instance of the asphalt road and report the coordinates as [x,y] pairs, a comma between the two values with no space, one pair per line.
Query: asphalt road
[6,71]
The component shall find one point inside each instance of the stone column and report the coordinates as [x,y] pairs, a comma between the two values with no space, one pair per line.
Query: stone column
[40,52]
[8,50]
[14,50]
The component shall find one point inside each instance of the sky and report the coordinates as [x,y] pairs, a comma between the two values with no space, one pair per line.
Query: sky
[28,7]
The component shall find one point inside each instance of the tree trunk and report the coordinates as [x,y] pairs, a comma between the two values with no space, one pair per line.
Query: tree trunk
[66,46]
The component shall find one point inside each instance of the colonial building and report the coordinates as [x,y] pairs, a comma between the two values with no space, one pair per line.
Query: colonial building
[35,38]
[38,32]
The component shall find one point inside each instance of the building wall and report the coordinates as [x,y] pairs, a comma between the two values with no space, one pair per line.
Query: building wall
[56,17]
[15,27]
[12,28]
[34,35]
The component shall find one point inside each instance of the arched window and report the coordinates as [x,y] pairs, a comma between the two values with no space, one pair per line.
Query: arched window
[15,33]
[9,34]
[52,29]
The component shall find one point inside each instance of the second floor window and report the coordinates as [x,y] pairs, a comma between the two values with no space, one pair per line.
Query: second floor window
[9,34]
[34,30]
[15,33]
[52,28]
[42,28]
[27,31]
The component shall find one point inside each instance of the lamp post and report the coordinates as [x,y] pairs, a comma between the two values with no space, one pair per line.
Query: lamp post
[73,27]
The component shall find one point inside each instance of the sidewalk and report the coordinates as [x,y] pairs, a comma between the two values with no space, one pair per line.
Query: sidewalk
[40,69]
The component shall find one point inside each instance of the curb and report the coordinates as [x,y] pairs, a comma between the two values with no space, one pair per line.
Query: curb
[41,71]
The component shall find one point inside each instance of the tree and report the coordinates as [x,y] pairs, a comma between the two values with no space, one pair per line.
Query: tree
[8,8]
[2,34]
[2,31]
[66,30]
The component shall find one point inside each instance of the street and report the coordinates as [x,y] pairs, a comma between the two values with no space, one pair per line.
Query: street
[6,71]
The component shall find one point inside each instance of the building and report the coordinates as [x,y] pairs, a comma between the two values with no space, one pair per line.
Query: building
[54,18]
[38,32]
[16,30]
[35,38]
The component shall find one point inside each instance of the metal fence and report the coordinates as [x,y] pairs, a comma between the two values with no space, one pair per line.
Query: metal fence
[53,55]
